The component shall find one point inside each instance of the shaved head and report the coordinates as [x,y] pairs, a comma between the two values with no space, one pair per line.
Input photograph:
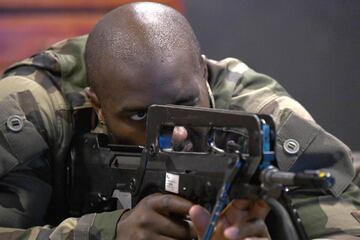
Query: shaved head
[138,55]
[136,36]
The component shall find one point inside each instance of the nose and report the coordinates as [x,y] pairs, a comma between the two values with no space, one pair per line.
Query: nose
[179,135]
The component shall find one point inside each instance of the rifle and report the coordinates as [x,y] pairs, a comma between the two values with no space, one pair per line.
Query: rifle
[104,176]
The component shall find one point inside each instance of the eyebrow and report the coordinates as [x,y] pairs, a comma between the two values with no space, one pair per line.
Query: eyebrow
[189,100]
[133,109]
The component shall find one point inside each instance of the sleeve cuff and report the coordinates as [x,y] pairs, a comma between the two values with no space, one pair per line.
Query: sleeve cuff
[98,225]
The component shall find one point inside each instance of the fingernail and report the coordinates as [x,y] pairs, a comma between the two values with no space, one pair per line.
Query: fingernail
[232,233]
[179,135]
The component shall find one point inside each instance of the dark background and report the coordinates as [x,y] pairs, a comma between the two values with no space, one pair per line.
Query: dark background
[312,47]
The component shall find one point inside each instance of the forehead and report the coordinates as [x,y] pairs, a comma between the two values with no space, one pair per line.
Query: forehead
[171,82]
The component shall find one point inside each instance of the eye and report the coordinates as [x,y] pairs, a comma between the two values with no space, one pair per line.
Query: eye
[138,116]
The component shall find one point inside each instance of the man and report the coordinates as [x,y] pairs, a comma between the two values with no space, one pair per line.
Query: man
[138,55]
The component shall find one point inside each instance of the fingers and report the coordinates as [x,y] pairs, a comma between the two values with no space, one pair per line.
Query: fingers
[243,210]
[243,218]
[241,204]
[200,218]
[172,227]
[257,238]
[170,217]
[167,204]
[255,228]
[154,216]
[260,209]
[236,212]
[179,135]
[148,235]
[236,220]
[173,210]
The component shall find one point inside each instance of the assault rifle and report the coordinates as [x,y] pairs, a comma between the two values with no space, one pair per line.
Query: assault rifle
[235,160]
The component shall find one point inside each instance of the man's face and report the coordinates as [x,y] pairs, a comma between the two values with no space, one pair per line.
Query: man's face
[180,81]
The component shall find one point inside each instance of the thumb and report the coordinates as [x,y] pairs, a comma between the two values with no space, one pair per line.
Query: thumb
[179,135]
[200,217]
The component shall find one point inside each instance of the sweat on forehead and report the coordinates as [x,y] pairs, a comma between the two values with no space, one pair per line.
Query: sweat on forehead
[136,37]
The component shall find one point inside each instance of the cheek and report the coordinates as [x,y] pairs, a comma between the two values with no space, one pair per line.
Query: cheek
[127,132]
[204,97]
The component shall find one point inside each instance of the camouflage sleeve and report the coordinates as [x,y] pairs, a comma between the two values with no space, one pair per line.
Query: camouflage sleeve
[235,86]
[91,226]
[32,122]
[25,172]
[325,216]
[301,144]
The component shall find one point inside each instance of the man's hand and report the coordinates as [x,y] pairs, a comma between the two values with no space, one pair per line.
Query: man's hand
[158,216]
[242,219]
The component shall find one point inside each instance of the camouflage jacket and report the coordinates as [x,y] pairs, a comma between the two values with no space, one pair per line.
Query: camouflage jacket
[40,95]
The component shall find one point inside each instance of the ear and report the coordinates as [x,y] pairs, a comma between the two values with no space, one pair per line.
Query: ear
[204,67]
[94,100]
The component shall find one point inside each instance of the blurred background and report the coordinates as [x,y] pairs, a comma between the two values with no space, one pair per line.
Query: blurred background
[312,47]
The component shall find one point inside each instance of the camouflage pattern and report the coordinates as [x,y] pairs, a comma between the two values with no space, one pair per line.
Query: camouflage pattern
[235,86]
[91,226]
[56,79]
[324,215]
[47,77]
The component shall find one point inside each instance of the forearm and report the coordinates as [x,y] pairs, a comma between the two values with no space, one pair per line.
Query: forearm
[301,143]
[23,200]
[91,226]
